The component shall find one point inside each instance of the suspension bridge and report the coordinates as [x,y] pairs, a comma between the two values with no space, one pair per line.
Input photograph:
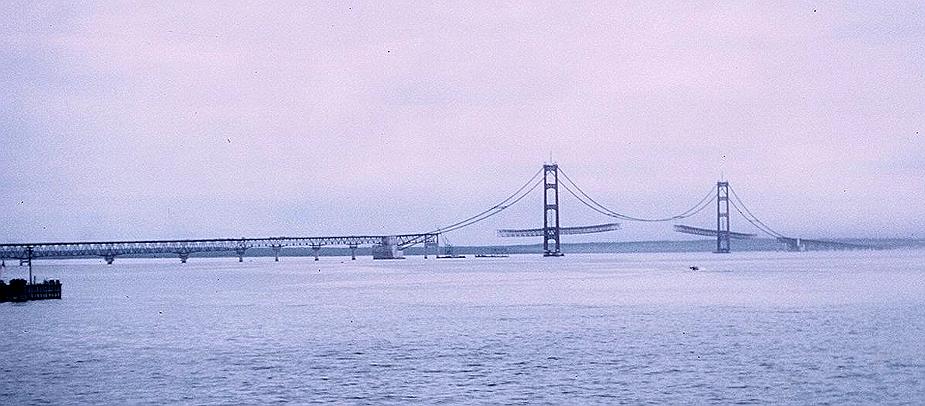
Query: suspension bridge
[391,246]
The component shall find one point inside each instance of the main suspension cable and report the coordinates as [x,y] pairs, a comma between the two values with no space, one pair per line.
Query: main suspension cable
[754,222]
[763,227]
[592,207]
[491,211]
[701,205]
[697,208]
[487,215]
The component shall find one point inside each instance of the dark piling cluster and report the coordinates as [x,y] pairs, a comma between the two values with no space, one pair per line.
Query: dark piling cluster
[19,290]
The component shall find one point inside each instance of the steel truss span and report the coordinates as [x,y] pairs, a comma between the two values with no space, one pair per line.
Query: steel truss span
[547,177]
[800,244]
[111,249]
[538,232]
[711,233]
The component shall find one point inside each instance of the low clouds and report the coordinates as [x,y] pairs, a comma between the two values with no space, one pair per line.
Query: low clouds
[204,120]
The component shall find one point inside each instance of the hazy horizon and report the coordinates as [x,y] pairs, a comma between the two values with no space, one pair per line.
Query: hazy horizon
[177,120]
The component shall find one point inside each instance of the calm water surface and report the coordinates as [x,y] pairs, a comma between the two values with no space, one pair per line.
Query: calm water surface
[797,328]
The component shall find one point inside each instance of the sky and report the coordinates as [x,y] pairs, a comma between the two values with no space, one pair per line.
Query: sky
[193,119]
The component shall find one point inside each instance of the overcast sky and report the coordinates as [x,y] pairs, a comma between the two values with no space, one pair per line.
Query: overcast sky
[229,119]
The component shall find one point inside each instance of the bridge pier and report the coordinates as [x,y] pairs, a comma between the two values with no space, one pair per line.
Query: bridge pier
[387,249]
[183,257]
[793,244]
[109,258]
[276,249]
[432,241]
[353,252]
[240,252]
[315,249]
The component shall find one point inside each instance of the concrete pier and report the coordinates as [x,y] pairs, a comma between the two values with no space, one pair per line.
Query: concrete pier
[315,249]
[276,249]
[387,249]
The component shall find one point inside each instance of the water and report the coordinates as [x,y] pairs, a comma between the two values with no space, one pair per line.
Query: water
[797,328]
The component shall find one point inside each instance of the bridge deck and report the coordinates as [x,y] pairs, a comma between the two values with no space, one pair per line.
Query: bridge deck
[538,232]
[188,246]
[709,232]
[801,243]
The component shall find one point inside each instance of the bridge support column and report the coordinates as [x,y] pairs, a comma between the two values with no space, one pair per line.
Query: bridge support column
[435,242]
[315,249]
[29,259]
[551,211]
[793,244]
[183,257]
[430,240]
[353,252]
[387,249]
[276,249]
[109,258]
[240,252]
[722,218]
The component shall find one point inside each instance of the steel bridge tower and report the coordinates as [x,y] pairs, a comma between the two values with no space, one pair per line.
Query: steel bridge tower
[722,217]
[551,211]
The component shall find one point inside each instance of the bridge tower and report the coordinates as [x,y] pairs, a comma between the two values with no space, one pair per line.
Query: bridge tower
[551,211]
[722,217]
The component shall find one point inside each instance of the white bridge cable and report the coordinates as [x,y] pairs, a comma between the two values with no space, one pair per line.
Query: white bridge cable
[593,204]
[703,204]
[755,223]
[501,206]
[485,215]
[750,217]
[592,207]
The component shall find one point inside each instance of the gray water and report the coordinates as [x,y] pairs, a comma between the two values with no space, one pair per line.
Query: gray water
[797,328]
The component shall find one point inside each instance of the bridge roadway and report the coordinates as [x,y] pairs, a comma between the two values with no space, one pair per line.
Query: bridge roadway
[802,244]
[109,250]
[539,232]
[793,244]
[710,233]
